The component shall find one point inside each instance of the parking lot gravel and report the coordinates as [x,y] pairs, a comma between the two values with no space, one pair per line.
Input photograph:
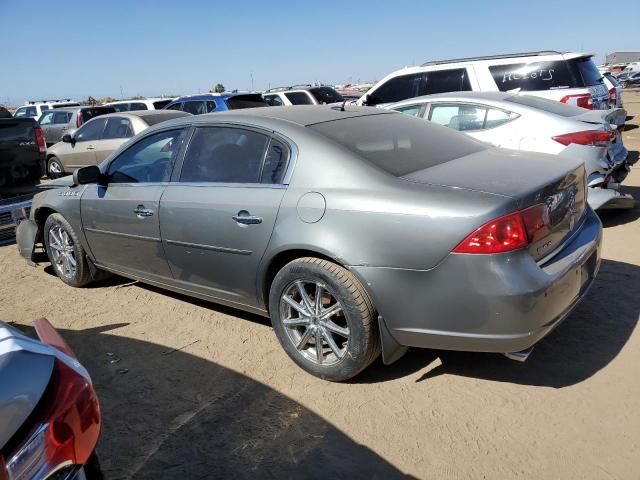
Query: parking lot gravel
[193,390]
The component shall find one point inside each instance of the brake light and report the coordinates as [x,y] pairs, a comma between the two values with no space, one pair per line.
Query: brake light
[497,236]
[42,144]
[537,221]
[613,95]
[597,138]
[79,119]
[584,100]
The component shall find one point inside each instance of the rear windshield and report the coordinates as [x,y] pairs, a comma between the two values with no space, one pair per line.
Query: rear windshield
[547,105]
[246,101]
[20,130]
[575,73]
[326,95]
[399,144]
[160,104]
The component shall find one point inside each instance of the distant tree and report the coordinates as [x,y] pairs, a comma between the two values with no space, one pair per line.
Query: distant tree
[104,100]
[90,101]
[219,88]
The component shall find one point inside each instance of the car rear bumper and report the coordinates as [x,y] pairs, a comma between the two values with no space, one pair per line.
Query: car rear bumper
[487,303]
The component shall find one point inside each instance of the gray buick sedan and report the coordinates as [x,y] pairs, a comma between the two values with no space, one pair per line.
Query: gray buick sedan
[357,230]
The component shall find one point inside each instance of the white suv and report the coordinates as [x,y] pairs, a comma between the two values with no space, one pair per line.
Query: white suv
[570,78]
[302,95]
[157,103]
[35,109]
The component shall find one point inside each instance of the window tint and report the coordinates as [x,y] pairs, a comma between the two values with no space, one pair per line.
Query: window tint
[541,75]
[175,106]
[149,160]
[458,117]
[273,100]
[219,154]
[326,95]
[249,100]
[160,104]
[413,110]
[117,127]
[590,74]
[46,118]
[418,84]
[137,106]
[20,112]
[398,144]
[211,106]
[90,131]
[44,107]
[275,163]
[121,107]
[60,117]
[196,108]
[299,98]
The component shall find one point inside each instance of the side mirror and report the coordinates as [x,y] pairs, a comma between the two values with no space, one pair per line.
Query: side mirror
[90,174]
[370,101]
[67,138]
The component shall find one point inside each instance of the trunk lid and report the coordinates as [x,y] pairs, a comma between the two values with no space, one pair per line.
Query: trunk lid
[616,116]
[526,177]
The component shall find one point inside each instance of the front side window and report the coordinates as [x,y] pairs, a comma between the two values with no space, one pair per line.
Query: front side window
[299,98]
[195,108]
[160,104]
[413,110]
[418,84]
[90,131]
[273,100]
[175,106]
[117,127]
[46,118]
[148,161]
[224,155]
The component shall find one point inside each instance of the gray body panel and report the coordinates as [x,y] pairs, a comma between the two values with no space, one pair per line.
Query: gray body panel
[395,234]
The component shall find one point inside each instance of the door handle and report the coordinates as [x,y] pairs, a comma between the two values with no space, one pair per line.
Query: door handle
[90,147]
[142,212]
[245,218]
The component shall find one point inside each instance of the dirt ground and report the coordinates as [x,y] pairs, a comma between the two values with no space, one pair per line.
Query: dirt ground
[193,390]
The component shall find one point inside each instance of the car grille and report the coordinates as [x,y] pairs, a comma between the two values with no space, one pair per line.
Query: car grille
[8,227]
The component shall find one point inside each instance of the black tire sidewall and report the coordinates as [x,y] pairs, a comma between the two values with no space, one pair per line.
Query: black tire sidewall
[82,275]
[358,356]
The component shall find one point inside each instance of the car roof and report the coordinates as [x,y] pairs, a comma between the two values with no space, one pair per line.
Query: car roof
[302,115]
[147,114]
[151,99]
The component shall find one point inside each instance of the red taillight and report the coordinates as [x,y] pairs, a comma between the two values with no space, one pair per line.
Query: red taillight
[613,95]
[584,100]
[537,221]
[500,235]
[598,138]
[49,335]
[42,144]
[79,119]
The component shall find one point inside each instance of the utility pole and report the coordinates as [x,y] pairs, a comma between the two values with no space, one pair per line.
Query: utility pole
[252,89]
[121,93]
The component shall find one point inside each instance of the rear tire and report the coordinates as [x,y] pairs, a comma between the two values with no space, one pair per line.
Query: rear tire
[324,318]
[55,168]
[65,252]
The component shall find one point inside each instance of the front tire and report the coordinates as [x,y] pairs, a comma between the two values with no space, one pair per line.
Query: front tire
[54,168]
[324,318]
[65,252]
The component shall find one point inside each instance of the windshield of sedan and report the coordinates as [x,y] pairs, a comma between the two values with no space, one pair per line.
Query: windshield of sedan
[399,144]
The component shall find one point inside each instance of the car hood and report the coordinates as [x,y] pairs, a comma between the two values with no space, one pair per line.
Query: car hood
[63,182]
[24,376]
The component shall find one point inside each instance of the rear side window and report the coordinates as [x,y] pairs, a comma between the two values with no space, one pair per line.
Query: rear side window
[273,100]
[326,95]
[160,104]
[121,107]
[195,108]
[398,144]
[413,110]
[418,84]
[275,163]
[299,98]
[464,117]
[226,155]
[117,127]
[60,117]
[238,102]
[137,106]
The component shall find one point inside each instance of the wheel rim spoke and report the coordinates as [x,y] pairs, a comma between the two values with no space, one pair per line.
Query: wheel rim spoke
[296,322]
[319,344]
[331,311]
[305,296]
[333,345]
[296,306]
[317,305]
[304,339]
[332,327]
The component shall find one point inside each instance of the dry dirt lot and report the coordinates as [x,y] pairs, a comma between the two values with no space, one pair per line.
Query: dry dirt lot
[192,390]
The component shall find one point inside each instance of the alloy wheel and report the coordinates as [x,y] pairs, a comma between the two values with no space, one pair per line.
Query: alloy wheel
[62,251]
[314,321]
[55,169]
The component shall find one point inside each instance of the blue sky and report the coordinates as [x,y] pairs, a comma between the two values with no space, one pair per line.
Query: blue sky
[74,48]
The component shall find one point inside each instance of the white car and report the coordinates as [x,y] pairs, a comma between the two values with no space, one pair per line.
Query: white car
[302,95]
[33,109]
[571,78]
[615,89]
[525,122]
[157,103]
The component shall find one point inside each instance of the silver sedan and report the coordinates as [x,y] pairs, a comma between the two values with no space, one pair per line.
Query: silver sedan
[357,230]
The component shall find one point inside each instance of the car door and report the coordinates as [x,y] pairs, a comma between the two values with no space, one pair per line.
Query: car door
[117,130]
[81,152]
[46,124]
[218,218]
[60,125]
[120,216]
